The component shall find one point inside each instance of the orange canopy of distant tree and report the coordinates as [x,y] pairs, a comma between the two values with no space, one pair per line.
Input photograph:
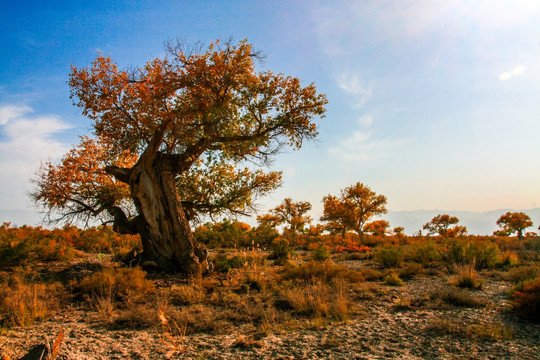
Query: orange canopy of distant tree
[514,222]
[352,209]
[292,213]
[441,223]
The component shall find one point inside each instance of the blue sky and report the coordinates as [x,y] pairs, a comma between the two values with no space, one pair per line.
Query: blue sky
[434,104]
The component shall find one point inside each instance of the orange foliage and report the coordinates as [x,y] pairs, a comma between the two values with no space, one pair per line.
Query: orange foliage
[20,245]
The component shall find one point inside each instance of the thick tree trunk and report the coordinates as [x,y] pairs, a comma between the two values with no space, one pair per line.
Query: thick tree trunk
[165,231]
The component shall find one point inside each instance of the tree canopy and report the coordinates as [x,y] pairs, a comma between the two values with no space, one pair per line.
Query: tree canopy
[352,209]
[514,222]
[441,223]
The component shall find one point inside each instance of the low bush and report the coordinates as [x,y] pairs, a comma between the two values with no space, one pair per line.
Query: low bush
[522,273]
[22,303]
[526,298]
[390,256]
[466,276]
[125,285]
[457,297]
[426,253]
[280,250]
[483,253]
[508,259]
[222,263]
[317,300]
[325,271]
[393,279]
[320,253]
[410,270]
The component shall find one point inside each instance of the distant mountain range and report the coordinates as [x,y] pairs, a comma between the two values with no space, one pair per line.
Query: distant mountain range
[477,223]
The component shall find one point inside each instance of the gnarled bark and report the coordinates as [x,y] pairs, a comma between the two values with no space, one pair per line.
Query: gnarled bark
[165,232]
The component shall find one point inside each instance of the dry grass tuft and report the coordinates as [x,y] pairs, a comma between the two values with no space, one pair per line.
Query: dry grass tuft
[325,271]
[22,303]
[393,279]
[466,276]
[457,297]
[125,285]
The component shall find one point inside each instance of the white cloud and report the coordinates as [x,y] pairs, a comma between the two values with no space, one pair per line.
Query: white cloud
[350,82]
[365,120]
[361,146]
[8,112]
[26,141]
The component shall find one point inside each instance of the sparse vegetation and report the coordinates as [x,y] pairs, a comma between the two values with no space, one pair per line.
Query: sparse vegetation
[466,276]
[329,279]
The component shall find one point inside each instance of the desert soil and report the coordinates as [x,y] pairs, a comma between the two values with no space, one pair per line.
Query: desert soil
[385,330]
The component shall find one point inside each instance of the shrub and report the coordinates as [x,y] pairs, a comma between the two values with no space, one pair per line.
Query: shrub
[457,297]
[526,298]
[325,271]
[390,256]
[466,276]
[508,259]
[371,274]
[224,264]
[479,252]
[280,250]
[425,253]
[317,300]
[321,253]
[23,303]
[409,270]
[127,285]
[523,273]
[393,279]
[226,233]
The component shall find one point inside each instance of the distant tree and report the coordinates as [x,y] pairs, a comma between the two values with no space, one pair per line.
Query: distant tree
[169,141]
[337,217]
[456,231]
[353,208]
[514,222]
[398,230]
[227,233]
[291,213]
[440,224]
[269,221]
[377,227]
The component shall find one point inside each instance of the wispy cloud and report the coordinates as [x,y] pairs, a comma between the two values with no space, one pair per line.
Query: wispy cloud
[351,83]
[26,140]
[361,146]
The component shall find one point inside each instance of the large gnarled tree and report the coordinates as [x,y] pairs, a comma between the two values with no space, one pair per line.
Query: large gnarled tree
[170,142]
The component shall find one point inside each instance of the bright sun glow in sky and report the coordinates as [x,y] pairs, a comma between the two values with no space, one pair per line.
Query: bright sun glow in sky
[434,104]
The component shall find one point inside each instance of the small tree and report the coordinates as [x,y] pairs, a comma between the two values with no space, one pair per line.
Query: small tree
[377,227]
[440,224]
[398,230]
[512,222]
[353,208]
[291,213]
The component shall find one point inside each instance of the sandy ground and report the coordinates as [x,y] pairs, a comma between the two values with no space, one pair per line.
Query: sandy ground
[384,331]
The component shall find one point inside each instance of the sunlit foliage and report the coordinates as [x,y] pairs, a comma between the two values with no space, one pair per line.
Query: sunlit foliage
[441,223]
[352,209]
[513,222]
